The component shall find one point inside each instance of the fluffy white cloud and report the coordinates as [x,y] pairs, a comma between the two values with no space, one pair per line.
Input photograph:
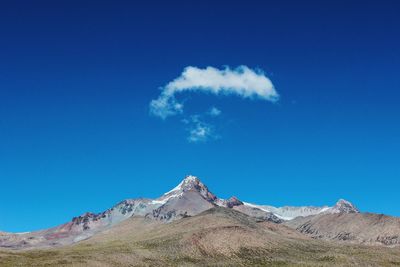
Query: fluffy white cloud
[242,81]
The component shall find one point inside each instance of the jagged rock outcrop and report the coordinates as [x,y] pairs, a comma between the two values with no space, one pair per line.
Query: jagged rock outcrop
[233,201]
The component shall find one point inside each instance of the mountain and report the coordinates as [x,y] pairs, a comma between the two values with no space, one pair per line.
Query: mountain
[189,198]
[216,237]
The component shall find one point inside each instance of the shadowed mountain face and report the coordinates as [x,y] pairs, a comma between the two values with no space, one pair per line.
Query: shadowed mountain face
[190,198]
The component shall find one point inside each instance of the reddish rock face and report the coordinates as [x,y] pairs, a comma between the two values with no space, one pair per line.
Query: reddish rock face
[197,185]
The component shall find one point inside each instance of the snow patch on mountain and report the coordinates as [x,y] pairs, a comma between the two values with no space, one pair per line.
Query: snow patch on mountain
[268,210]
[288,213]
[164,199]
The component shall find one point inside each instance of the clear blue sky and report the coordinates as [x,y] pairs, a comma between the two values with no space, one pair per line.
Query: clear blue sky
[76,79]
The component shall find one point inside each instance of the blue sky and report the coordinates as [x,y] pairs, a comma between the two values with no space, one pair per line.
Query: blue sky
[77,78]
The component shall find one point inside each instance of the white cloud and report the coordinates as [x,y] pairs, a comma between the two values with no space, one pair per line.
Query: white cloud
[199,131]
[214,112]
[242,81]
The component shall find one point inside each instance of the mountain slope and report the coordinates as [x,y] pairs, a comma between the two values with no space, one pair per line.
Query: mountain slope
[80,227]
[361,228]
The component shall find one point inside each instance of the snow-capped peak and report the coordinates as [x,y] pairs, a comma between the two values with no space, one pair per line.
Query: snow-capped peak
[344,206]
[188,184]
[189,180]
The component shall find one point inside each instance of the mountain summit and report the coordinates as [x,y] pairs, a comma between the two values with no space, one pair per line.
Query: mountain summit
[190,183]
[344,206]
